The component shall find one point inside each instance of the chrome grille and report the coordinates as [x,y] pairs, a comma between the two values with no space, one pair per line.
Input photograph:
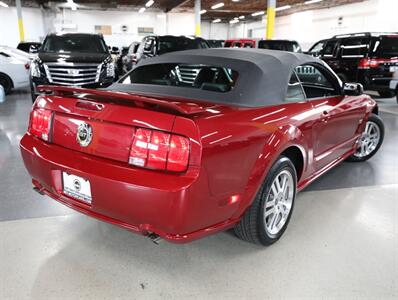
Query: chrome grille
[187,74]
[76,74]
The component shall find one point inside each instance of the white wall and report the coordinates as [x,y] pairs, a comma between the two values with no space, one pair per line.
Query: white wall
[33,24]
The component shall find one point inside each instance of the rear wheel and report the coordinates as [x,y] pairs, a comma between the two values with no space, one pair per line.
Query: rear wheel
[386,94]
[6,82]
[371,139]
[267,218]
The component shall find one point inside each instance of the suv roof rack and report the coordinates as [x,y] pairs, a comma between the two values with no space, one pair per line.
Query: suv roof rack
[365,34]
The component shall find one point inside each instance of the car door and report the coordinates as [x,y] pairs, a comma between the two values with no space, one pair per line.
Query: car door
[336,117]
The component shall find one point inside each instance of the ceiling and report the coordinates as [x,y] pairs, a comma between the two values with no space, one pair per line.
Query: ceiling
[230,10]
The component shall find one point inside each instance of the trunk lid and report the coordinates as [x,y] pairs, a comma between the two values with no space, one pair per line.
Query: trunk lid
[103,123]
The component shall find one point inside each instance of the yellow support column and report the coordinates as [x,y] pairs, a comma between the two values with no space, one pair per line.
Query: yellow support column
[197,18]
[271,4]
[20,20]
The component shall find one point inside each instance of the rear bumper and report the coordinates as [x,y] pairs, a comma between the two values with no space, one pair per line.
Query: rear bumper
[177,208]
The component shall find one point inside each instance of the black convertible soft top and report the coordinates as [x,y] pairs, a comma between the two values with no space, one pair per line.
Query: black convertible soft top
[263,75]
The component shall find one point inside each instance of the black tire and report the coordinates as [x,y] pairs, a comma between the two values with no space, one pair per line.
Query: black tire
[32,93]
[252,226]
[6,82]
[343,77]
[379,122]
[396,95]
[386,94]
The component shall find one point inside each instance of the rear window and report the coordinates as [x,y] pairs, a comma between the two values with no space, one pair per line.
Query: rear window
[354,47]
[204,77]
[387,47]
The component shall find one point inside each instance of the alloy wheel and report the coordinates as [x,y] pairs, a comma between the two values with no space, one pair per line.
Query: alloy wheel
[369,140]
[279,202]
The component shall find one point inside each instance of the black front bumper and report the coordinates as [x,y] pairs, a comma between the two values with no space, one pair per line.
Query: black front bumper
[36,81]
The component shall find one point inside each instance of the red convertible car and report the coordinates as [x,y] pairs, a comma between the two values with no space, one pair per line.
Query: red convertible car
[191,143]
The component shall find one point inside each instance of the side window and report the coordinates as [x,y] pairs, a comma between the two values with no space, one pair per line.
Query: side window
[329,48]
[356,47]
[317,48]
[247,45]
[317,82]
[294,90]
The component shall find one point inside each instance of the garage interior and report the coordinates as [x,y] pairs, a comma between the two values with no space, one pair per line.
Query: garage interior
[342,240]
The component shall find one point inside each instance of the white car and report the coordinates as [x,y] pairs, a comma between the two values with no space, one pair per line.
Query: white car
[14,68]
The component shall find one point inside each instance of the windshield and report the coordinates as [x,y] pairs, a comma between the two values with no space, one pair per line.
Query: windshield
[171,44]
[388,47]
[74,43]
[205,77]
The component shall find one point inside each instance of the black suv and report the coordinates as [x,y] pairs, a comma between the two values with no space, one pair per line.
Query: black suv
[154,45]
[72,59]
[368,58]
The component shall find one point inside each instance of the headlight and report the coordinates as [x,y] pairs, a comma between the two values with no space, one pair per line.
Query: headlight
[34,69]
[110,70]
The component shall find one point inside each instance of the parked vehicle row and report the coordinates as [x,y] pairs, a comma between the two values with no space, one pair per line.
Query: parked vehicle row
[368,58]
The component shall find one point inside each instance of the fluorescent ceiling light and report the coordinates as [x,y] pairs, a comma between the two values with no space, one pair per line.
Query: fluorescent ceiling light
[282,7]
[216,21]
[241,17]
[149,3]
[312,1]
[142,9]
[234,21]
[259,13]
[235,0]
[218,5]
[3,4]
[203,11]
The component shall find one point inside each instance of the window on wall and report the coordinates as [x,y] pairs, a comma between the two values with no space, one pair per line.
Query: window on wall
[316,81]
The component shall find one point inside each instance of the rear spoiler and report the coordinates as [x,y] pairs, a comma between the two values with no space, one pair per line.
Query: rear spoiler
[184,108]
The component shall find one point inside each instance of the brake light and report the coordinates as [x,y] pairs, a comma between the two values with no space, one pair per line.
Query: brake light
[40,123]
[370,63]
[158,150]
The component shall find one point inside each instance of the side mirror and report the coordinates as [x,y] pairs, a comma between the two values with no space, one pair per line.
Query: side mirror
[353,89]
[33,49]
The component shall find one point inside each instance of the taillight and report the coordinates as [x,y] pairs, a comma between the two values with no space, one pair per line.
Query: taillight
[367,63]
[40,123]
[27,66]
[158,150]
[370,63]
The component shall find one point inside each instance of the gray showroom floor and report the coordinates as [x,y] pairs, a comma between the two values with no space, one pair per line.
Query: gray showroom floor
[342,242]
